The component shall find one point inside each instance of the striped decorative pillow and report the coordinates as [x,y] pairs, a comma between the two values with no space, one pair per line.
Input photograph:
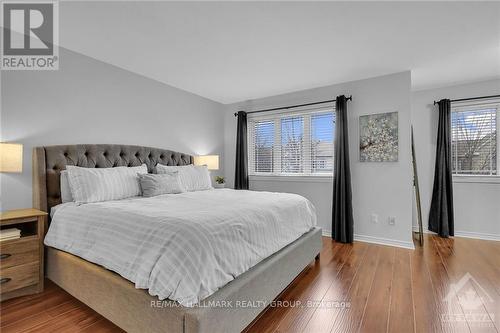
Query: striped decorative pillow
[191,177]
[65,189]
[103,184]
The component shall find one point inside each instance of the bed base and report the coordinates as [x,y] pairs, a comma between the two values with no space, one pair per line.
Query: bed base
[134,310]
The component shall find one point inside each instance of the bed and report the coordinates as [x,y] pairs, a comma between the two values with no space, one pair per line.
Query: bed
[229,307]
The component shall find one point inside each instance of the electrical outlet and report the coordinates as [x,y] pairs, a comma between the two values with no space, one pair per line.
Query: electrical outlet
[374,218]
[392,220]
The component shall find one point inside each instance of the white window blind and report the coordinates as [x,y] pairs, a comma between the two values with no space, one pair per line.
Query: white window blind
[296,142]
[474,145]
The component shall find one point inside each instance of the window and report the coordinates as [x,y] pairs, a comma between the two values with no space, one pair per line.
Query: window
[474,145]
[322,128]
[292,143]
[263,146]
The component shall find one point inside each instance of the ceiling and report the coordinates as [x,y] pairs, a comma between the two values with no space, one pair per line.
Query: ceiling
[235,51]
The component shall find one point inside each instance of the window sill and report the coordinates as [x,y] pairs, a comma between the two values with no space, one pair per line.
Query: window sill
[476,179]
[293,178]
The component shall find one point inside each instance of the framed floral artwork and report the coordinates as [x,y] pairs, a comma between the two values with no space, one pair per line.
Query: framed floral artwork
[378,137]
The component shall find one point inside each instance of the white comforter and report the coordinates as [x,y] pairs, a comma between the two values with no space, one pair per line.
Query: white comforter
[182,246]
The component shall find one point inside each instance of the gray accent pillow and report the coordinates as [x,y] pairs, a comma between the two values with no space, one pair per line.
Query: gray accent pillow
[156,184]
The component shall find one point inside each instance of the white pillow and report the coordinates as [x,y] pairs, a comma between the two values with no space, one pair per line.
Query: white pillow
[102,184]
[192,178]
[65,189]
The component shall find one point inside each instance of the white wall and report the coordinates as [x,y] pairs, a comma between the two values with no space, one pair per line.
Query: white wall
[380,188]
[477,205]
[88,101]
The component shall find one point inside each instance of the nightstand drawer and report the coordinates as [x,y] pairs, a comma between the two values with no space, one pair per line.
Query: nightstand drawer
[18,252]
[19,276]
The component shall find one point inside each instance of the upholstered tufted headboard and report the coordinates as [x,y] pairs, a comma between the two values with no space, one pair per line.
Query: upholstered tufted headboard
[49,161]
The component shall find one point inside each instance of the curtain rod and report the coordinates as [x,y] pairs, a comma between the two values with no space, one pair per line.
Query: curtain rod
[295,106]
[471,98]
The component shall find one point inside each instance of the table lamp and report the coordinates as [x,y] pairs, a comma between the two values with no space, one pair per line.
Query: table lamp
[11,157]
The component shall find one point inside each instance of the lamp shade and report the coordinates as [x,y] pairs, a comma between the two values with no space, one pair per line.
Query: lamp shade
[11,157]
[211,161]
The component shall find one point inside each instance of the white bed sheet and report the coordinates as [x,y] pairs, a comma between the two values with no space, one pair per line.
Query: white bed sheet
[183,247]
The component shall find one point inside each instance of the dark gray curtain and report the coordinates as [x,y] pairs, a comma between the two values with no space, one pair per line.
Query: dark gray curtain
[241,173]
[441,213]
[342,220]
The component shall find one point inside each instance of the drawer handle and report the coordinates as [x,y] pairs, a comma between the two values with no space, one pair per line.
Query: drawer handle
[5,255]
[4,280]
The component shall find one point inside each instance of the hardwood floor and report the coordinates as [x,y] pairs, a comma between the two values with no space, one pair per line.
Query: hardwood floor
[449,285]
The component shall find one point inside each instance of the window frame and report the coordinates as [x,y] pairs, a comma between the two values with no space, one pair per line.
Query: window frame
[479,105]
[277,116]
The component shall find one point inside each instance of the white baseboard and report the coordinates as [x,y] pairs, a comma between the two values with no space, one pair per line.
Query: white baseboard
[467,234]
[426,231]
[384,241]
[377,240]
[326,233]
[477,235]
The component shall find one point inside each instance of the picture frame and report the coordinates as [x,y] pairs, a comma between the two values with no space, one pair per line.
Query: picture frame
[379,137]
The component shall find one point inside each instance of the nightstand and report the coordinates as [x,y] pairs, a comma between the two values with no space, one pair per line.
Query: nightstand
[21,259]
